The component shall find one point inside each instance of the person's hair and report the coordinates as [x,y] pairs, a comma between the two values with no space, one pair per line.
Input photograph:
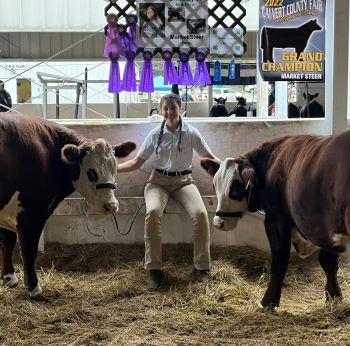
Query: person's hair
[164,98]
[155,11]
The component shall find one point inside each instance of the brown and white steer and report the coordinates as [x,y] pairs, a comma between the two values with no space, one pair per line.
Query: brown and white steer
[40,164]
[303,185]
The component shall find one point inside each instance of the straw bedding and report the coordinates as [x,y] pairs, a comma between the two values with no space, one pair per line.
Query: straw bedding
[96,295]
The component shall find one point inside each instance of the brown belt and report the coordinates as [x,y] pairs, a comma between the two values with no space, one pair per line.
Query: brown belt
[174,174]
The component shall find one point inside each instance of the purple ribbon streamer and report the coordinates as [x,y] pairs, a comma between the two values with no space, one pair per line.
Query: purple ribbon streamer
[114,85]
[201,75]
[169,70]
[146,80]
[129,76]
[185,73]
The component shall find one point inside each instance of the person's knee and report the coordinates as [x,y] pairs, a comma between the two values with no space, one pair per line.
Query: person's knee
[154,214]
[153,223]
[200,216]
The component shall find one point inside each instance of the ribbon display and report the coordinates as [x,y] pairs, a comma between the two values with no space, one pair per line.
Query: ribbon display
[217,71]
[185,73]
[169,70]
[201,75]
[146,80]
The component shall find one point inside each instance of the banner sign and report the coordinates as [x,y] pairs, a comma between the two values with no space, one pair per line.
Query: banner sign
[173,23]
[292,40]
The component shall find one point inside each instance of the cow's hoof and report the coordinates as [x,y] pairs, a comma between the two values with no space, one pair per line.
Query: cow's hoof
[10,280]
[268,307]
[35,292]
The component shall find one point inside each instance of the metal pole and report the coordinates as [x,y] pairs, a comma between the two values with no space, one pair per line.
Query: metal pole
[84,97]
[118,107]
[77,101]
[115,101]
[149,103]
[57,103]
[307,99]
[210,97]
[44,101]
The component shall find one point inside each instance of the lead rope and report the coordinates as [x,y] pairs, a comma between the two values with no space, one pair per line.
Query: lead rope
[120,231]
[125,232]
[84,207]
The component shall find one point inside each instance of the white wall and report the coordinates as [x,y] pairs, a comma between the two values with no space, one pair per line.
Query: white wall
[226,138]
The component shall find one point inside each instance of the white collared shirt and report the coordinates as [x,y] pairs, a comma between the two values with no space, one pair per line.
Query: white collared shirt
[169,157]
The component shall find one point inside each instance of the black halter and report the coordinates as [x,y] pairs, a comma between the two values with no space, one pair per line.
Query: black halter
[112,186]
[229,213]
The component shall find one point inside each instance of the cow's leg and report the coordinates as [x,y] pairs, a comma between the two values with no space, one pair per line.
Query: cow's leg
[29,230]
[279,236]
[8,241]
[329,263]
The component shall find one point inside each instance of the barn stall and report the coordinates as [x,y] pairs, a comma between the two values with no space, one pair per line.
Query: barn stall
[94,284]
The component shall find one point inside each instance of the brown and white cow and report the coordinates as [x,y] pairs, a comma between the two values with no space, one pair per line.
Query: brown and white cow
[40,164]
[303,185]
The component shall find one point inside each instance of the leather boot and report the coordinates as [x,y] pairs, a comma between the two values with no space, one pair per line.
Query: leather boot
[201,275]
[154,279]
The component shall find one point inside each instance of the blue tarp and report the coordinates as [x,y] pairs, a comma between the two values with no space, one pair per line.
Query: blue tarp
[159,86]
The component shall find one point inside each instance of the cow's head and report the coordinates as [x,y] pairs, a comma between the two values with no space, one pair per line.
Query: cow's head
[94,170]
[241,100]
[220,100]
[313,25]
[236,190]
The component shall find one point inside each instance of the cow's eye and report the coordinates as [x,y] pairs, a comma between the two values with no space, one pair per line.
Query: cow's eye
[237,191]
[92,175]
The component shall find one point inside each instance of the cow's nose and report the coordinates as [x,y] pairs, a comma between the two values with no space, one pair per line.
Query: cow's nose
[111,207]
[218,223]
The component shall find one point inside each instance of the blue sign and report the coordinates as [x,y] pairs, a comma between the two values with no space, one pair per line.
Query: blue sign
[292,40]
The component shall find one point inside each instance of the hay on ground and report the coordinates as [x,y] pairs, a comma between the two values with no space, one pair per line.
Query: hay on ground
[96,295]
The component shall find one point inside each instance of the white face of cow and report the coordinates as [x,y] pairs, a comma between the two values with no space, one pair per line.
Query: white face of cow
[231,194]
[98,170]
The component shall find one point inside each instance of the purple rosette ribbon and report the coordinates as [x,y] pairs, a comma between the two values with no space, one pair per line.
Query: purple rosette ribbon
[124,39]
[201,75]
[129,76]
[169,70]
[112,43]
[185,73]
[146,80]
[131,20]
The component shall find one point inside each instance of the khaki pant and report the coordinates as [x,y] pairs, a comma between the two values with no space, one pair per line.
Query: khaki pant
[182,189]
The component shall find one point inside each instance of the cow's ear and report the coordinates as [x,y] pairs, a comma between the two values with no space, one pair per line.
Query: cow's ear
[248,175]
[210,165]
[70,154]
[316,94]
[124,149]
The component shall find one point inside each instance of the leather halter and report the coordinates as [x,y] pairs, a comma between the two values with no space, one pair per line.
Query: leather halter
[112,186]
